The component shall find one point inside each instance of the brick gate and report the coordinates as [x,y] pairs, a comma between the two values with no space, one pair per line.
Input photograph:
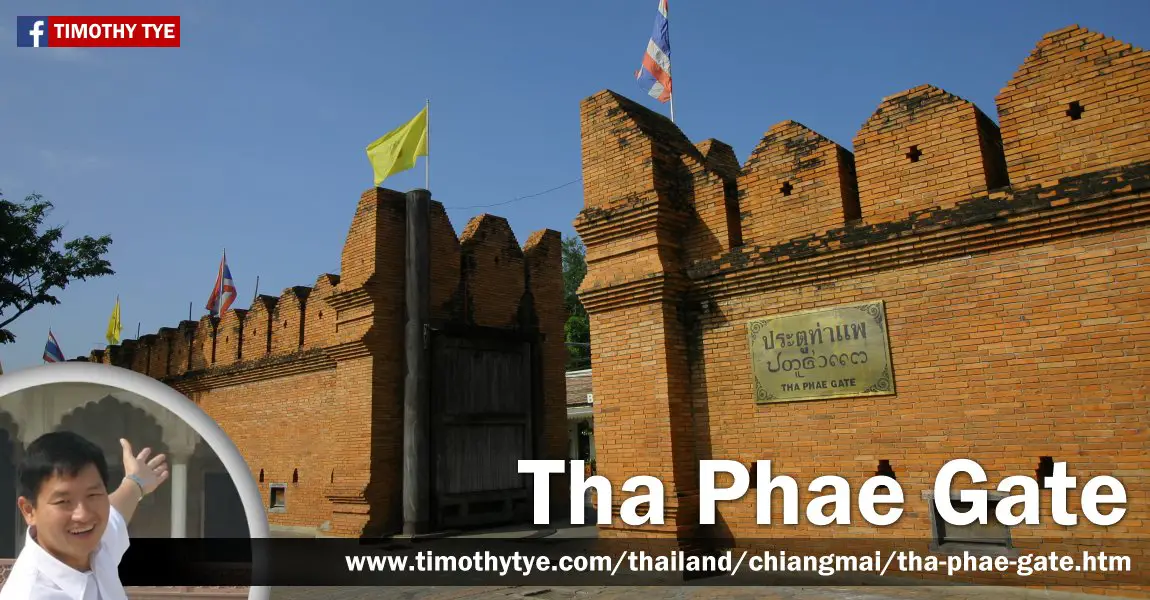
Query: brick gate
[330,359]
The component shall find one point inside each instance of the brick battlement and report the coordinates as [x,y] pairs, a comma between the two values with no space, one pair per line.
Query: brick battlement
[479,279]
[1078,104]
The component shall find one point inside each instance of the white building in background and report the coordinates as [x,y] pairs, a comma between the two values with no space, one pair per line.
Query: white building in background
[199,500]
[580,417]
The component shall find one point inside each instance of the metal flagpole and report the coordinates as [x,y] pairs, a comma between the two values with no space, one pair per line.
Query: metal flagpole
[427,159]
[671,99]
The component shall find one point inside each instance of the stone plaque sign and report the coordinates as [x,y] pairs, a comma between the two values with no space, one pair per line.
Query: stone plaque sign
[822,353]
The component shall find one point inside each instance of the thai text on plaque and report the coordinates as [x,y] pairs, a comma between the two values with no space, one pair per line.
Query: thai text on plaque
[822,353]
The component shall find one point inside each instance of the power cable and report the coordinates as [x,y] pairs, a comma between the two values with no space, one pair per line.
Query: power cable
[572,182]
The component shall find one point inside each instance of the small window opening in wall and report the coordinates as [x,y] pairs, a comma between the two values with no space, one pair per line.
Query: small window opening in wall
[976,538]
[285,323]
[321,314]
[1045,469]
[333,475]
[787,188]
[884,469]
[914,154]
[295,476]
[277,497]
[1075,111]
[261,475]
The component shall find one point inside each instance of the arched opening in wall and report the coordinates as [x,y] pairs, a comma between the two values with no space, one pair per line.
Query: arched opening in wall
[214,506]
[104,423]
[10,519]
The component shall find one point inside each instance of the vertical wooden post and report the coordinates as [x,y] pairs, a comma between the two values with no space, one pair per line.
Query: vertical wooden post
[416,383]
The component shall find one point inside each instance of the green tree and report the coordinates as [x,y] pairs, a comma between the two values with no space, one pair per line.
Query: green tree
[33,264]
[577,330]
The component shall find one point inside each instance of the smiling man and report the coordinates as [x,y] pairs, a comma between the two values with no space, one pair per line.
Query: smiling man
[77,531]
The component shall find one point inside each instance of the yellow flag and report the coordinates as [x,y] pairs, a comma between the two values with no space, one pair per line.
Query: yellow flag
[113,334]
[398,150]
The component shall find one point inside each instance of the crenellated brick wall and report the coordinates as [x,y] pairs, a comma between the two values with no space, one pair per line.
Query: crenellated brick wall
[310,382]
[1011,259]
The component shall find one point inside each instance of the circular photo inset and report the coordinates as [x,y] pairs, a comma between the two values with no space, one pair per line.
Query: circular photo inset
[93,457]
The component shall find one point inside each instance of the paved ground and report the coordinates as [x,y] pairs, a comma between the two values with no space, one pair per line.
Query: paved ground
[672,593]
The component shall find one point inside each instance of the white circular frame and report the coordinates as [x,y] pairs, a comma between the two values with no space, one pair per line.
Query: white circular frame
[179,405]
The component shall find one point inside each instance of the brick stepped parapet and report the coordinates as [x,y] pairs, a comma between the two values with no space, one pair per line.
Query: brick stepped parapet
[796,180]
[924,149]
[479,277]
[1078,103]
[923,152]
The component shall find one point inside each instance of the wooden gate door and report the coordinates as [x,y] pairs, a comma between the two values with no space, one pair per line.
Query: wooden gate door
[481,413]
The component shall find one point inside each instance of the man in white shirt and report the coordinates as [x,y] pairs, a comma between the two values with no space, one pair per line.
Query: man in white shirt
[77,531]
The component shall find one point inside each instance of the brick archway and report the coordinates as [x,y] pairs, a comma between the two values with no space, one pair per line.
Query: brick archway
[104,422]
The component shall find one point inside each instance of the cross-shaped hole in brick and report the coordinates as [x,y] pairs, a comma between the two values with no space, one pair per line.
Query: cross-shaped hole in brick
[1045,469]
[1075,111]
[787,188]
[914,154]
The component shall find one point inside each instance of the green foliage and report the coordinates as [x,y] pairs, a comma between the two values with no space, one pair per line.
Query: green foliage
[32,265]
[577,330]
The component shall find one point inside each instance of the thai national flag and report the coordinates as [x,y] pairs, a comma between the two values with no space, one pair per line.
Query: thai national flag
[655,76]
[52,352]
[224,292]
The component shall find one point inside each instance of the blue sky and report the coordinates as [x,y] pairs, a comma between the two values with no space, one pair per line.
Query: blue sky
[251,135]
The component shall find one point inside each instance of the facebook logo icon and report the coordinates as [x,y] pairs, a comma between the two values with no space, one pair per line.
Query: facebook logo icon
[32,32]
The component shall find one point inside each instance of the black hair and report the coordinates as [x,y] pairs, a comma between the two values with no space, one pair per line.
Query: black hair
[61,453]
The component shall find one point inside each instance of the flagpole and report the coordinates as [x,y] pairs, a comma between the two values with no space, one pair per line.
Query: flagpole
[671,99]
[427,159]
[220,285]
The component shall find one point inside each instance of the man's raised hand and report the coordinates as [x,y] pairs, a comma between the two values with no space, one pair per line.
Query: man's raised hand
[149,473]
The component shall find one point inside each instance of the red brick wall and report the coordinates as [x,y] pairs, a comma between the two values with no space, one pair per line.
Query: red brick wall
[493,264]
[1016,311]
[796,183]
[257,325]
[922,149]
[319,329]
[543,254]
[280,425]
[203,343]
[1106,77]
[322,392]
[229,336]
[287,320]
